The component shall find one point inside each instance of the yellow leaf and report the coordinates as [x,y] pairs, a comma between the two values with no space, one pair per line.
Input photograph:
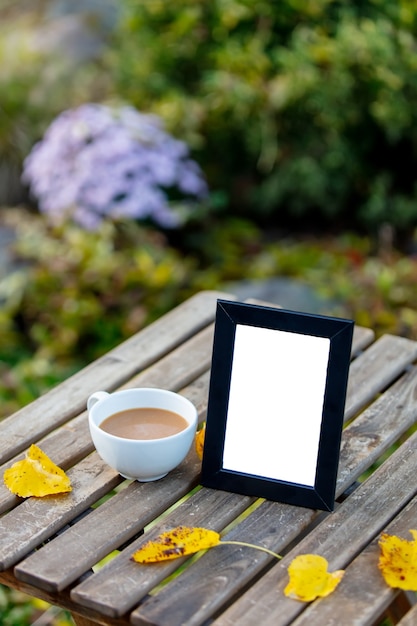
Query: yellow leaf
[309,578]
[199,441]
[398,561]
[175,543]
[36,475]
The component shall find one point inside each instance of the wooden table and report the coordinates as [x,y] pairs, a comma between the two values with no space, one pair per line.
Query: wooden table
[50,547]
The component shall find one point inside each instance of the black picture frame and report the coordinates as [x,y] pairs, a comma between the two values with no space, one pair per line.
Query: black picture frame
[247,339]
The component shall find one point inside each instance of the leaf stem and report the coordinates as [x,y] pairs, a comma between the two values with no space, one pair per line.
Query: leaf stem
[251,545]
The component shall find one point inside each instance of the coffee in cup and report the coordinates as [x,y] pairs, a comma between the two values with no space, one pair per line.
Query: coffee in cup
[143,433]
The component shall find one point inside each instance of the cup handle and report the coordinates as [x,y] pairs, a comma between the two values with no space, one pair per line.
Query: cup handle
[95,397]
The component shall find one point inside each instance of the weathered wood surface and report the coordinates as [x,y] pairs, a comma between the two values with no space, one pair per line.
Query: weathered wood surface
[381,424]
[72,442]
[362,338]
[364,596]
[56,564]
[363,442]
[376,368]
[175,353]
[108,372]
[207,508]
[45,568]
[358,454]
[339,538]
[170,376]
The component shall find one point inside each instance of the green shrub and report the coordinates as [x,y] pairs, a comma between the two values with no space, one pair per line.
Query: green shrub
[297,109]
[19,609]
[85,291]
[75,295]
[14,608]
[374,288]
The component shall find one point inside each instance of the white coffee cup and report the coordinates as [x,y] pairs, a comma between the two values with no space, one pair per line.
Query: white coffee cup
[141,459]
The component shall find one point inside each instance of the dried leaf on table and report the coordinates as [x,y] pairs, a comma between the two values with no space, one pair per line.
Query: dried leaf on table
[398,561]
[175,543]
[36,475]
[184,540]
[309,578]
[199,441]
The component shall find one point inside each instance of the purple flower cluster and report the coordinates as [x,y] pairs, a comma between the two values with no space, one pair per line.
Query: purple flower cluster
[97,162]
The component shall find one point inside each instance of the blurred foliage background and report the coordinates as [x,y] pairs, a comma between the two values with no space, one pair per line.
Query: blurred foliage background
[302,115]
[296,110]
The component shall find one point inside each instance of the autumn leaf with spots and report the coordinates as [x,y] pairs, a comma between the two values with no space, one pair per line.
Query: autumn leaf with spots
[182,541]
[175,543]
[398,561]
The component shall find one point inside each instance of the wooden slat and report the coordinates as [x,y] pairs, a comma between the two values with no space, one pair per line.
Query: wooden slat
[108,372]
[363,595]
[362,338]
[374,431]
[82,621]
[36,519]
[376,368]
[339,538]
[181,366]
